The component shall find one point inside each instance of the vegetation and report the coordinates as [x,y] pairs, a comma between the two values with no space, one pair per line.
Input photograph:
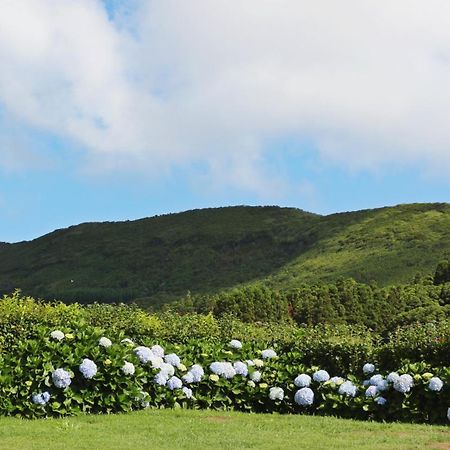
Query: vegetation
[157,260]
[188,429]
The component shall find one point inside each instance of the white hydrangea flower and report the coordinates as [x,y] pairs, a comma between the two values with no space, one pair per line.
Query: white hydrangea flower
[127,341]
[268,353]
[161,378]
[187,392]
[157,350]
[320,376]
[435,384]
[303,380]
[258,363]
[197,371]
[57,335]
[188,378]
[392,377]
[404,383]
[104,342]
[88,368]
[241,368]
[174,383]
[167,369]
[304,397]
[224,369]
[61,378]
[234,343]
[156,362]
[256,376]
[448,413]
[368,368]
[144,354]
[172,359]
[128,368]
[347,388]
[276,393]
[249,362]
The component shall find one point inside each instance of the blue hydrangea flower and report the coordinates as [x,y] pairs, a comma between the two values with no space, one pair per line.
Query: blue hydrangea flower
[375,379]
[187,392]
[381,401]
[41,398]
[234,343]
[144,354]
[383,385]
[276,393]
[268,353]
[368,368]
[320,376]
[255,376]
[404,383]
[366,383]
[303,380]
[197,372]
[61,378]
[435,384]
[304,397]
[157,350]
[240,368]
[448,413]
[392,377]
[128,368]
[172,359]
[347,388]
[174,383]
[371,391]
[88,368]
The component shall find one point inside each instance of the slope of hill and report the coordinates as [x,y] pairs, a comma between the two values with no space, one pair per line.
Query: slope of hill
[159,258]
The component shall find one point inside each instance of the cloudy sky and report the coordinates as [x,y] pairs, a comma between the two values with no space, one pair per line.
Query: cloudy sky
[113,110]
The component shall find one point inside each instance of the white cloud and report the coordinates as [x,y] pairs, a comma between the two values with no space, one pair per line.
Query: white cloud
[174,82]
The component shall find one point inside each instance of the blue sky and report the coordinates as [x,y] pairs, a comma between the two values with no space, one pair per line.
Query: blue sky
[122,110]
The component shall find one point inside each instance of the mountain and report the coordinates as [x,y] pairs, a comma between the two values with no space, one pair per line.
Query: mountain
[155,260]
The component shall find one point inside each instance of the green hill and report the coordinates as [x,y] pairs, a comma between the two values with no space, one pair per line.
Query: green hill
[157,259]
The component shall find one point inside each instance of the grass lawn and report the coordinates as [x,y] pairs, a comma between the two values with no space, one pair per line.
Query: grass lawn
[184,429]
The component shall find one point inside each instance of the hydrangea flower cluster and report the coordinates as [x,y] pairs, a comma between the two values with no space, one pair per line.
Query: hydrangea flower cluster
[304,397]
[128,368]
[61,378]
[321,376]
[368,368]
[41,398]
[435,384]
[256,376]
[174,383]
[240,368]
[303,380]
[223,369]
[57,335]
[268,353]
[187,392]
[234,343]
[348,389]
[172,359]
[104,342]
[276,393]
[158,351]
[88,368]
[404,383]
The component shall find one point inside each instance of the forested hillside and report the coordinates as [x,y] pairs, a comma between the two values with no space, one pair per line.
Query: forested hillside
[160,259]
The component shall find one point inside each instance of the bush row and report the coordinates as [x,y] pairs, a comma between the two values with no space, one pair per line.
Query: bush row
[84,369]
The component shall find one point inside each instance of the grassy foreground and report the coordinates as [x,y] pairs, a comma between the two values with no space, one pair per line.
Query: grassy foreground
[183,429]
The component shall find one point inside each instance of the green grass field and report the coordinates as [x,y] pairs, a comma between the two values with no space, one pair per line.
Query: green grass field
[183,429]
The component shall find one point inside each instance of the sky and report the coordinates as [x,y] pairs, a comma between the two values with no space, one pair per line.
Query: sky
[117,110]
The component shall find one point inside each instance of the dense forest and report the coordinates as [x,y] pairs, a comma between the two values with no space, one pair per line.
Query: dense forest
[343,302]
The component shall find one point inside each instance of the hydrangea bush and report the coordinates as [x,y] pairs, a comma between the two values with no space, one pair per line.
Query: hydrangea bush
[85,370]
